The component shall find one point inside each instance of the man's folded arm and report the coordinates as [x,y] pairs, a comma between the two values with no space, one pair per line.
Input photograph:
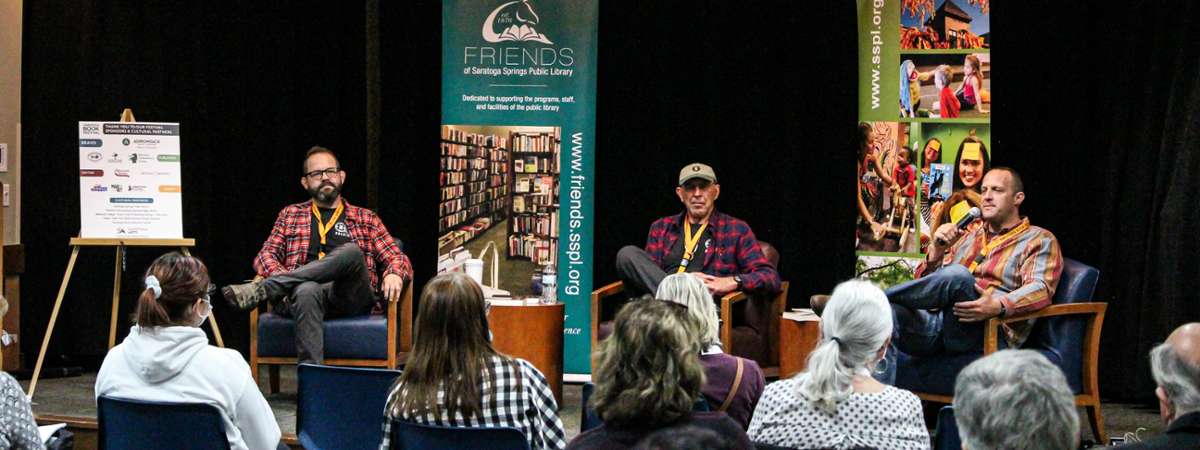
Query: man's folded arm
[268,261]
[388,253]
[758,275]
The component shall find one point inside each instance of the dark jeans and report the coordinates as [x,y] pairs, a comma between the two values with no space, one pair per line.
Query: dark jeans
[923,317]
[335,286]
[640,274]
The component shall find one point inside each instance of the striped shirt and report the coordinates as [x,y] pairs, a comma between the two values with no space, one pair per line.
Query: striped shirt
[1022,266]
[517,400]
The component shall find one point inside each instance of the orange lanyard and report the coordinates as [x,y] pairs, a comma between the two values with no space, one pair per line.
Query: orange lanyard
[689,244]
[322,227]
[990,245]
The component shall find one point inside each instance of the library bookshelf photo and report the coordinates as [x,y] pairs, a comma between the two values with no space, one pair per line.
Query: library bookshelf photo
[499,186]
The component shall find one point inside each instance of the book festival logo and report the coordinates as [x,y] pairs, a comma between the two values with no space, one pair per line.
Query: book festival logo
[520,17]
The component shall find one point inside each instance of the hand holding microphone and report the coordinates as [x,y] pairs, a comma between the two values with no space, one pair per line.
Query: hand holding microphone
[948,233]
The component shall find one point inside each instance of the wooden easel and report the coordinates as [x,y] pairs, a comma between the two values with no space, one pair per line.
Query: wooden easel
[120,244]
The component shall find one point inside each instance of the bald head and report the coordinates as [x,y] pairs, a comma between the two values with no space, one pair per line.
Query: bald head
[1185,343]
[1175,365]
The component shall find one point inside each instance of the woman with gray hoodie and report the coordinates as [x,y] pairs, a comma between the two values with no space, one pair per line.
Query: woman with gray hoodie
[166,357]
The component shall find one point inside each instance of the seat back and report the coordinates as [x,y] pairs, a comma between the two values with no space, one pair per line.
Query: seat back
[770,253]
[341,407]
[408,435]
[126,424]
[945,434]
[1062,337]
[588,418]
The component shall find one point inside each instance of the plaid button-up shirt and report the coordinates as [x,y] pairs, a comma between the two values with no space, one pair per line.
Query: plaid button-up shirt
[734,252]
[287,246]
[1022,270]
[518,397]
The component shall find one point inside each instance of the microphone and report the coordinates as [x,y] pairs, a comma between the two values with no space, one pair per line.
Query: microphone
[962,223]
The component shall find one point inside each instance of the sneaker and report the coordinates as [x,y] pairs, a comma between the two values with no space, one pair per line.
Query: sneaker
[244,296]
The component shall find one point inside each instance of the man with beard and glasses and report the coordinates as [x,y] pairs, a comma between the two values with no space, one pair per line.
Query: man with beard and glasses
[324,258]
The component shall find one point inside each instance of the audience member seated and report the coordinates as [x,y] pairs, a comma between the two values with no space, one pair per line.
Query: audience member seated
[648,376]
[454,377]
[834,402]
[18,431]
[687,437]
[166,357]
[1015,400]
[732,384]
[1175,365]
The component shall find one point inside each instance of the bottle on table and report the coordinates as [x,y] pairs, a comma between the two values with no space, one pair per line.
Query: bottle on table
[549,285]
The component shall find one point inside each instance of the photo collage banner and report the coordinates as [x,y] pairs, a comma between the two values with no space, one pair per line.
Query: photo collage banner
[517,153]
[925,105]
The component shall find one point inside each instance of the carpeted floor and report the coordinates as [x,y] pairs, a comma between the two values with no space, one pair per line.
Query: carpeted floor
[74,397]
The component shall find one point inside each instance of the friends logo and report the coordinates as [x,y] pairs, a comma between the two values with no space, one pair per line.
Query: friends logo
[521,14]
[514,21]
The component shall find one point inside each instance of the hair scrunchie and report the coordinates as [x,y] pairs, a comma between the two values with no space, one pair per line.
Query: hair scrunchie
[152,284]
[835,339]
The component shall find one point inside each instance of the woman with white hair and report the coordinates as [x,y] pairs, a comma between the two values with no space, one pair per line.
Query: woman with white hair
[835,403]
[732,384]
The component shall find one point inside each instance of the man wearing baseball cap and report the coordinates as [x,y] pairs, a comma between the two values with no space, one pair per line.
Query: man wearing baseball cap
[718,248]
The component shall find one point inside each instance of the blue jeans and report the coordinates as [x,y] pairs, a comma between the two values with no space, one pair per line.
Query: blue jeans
[923,316]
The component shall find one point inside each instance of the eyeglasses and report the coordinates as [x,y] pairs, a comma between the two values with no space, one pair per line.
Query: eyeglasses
[316,174]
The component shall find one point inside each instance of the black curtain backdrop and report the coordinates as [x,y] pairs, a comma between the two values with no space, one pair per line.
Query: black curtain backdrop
[1095,104]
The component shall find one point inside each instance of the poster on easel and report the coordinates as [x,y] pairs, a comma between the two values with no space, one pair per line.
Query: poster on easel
[517,152]
[129,180]
[924,109]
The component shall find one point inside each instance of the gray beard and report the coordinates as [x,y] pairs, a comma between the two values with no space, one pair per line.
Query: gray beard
[324,197]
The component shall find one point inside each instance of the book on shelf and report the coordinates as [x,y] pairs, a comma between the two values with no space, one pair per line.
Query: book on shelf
[541,224]
[450,133]
[540,251]
[535,142]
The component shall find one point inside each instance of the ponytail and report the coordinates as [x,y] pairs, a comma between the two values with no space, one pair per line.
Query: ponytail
[856,323]
[173,282]
[827,380]
[149,312]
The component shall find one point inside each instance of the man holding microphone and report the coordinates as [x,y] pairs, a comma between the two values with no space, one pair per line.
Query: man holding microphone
[994,267]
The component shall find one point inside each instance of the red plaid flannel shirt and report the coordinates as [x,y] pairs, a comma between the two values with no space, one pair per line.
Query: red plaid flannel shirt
[287,246]
[735,252]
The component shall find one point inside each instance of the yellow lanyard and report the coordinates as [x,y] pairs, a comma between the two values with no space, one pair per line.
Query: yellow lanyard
[322,227]
[689,244]
[990,245]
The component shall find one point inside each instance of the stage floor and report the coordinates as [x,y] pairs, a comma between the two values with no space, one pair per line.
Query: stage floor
[73,397]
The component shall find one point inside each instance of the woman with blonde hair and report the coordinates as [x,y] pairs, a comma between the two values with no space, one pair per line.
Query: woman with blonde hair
[835,403]
[733,384]
[454,377]
[648,377]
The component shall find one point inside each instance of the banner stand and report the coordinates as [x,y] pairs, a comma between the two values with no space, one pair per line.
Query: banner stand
[119,244]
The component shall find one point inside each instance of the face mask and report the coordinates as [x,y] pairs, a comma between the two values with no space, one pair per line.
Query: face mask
[208,310]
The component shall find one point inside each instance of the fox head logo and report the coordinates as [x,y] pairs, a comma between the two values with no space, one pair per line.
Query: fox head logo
[520,19]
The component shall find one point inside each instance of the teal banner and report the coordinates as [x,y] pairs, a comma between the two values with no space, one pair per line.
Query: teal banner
[518,152]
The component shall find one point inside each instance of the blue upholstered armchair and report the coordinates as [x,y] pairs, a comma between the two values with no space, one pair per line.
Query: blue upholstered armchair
[1067,333]
[365,341]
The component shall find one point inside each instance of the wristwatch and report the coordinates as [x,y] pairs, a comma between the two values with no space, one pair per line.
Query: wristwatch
[738,279]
